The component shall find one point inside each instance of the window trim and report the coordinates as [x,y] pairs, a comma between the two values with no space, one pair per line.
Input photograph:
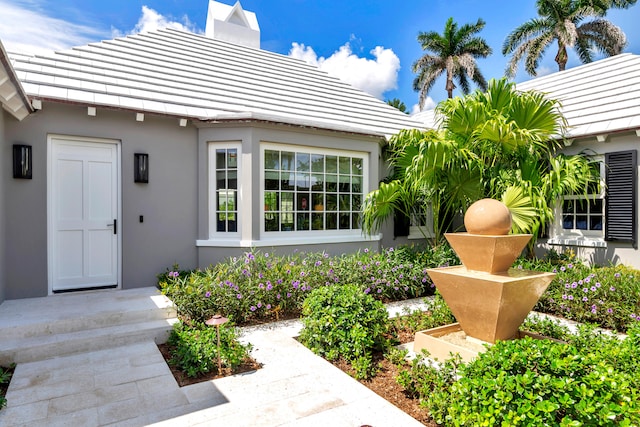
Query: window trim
[310,236]
[213,228]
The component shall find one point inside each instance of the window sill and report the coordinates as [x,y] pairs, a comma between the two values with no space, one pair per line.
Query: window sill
[287,241]
[591,242]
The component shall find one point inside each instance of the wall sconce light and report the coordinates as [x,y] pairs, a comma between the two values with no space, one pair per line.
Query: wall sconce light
[141,168]
[22,161]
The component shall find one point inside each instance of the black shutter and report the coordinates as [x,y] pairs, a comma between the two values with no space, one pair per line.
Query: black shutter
[401,224]
[621,197]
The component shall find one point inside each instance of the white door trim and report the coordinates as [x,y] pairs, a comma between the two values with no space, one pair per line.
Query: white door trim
[51,139]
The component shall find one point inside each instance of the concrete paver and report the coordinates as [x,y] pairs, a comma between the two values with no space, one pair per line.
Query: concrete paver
[131,385]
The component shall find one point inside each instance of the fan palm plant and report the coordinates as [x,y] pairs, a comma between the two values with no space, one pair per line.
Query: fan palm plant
[568,23]
[500,144]
[453,52]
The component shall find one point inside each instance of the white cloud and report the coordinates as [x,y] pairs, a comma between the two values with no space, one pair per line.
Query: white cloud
[429,104]
[24,29]
[374,76]
[151,20]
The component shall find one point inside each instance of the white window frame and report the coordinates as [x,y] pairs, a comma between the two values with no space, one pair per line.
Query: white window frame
[213,191]
[421,231]
[311,235]
[579,237]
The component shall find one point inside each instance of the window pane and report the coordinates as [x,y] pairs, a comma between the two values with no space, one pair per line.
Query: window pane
[272,222]
[332,202]
[317,182]
[345,165]
[355,220]
[286,201]
[287,181]
[356,166]
[595,222]
[345,222]
[221,223]
[303,202]
[581,222]
[287,221]
[232,159]
[221,180]
[581,206]
[596,206]
[302,162]
[331,164]
[270,201]
[317,163]
[303,181]
[332,183]
[332,221]
[356,202]
[232,179]
[287,159]
[272,180]
[345,202]
[232,226]
[317,221]
[271,159]
[567,206]
[567,222]
[221,159]
[318,201]
[302,222]
[356,184]
[345,184]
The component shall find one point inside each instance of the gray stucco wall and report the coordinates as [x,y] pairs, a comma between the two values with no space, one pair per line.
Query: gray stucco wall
[167,203]
[5,155]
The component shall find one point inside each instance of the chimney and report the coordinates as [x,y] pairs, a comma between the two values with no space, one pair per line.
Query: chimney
[232,24]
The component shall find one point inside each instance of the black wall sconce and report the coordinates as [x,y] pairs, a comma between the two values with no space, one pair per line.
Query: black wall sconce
[22,161]
[141,168]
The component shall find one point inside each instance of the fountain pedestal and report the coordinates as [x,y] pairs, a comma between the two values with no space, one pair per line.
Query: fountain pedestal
[489,299]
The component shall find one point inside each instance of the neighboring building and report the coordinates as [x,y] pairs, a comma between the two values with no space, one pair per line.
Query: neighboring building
[170,147]
[601,103]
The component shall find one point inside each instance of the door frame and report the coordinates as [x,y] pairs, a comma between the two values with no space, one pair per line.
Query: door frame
[50,188]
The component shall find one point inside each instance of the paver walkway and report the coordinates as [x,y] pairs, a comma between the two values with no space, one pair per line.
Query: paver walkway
[132,386]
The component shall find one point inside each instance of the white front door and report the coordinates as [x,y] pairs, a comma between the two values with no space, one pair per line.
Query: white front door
[84,224]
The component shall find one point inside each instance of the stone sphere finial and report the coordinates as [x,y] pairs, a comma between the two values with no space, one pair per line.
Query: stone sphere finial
[488,217]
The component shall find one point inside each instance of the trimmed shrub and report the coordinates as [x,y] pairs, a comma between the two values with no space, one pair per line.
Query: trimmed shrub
[343,322]
[195,348]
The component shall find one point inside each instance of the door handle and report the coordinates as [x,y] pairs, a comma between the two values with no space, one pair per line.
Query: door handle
[115,226]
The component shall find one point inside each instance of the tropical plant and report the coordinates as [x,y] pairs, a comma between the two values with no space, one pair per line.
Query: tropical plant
[453,52]
[566,22]
[396,103]
[497,144]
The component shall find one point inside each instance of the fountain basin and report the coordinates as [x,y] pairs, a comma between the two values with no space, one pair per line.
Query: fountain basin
[488,306]
[487,253]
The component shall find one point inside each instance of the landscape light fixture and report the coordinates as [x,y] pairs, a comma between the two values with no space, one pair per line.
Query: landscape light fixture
[216,321]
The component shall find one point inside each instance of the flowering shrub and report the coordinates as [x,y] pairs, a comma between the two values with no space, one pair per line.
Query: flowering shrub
[607,296]
[264,286]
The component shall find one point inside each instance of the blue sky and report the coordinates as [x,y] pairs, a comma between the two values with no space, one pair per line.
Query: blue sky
[372,44]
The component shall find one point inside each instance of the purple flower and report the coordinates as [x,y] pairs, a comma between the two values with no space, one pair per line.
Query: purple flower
[278,296]
[570,297]
[555,270]
[252,308]
[562,268]
[609,310]
[269,286]
[579,282]
[366,291]
[570,266]
[266,255]
[260,275]
[587,280]
[424,280]
[585,289]
[268,306]
[261,285]
[594,311]
[288,294]
[318,263]
[519,267]
[259,304]
[366,250]
[564,296]
[207,294]
[250,256]
[239,296]
[574,285]
[585,299]
[593,289]
[612,289]
[379,290]
[567,286]
[617,275]
[174,274]
[598,284]
[295,284]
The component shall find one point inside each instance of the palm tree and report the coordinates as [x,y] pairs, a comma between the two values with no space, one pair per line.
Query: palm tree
[396,103]
[491,144]
[565,21]
[454,52]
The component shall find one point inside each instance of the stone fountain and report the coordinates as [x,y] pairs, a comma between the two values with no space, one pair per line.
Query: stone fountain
[489,299]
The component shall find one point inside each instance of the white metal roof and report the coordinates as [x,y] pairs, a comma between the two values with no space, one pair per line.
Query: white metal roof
[183,74]
[597,98]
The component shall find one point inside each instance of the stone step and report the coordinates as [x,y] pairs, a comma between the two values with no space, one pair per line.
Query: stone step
[40,328]
[31,349]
